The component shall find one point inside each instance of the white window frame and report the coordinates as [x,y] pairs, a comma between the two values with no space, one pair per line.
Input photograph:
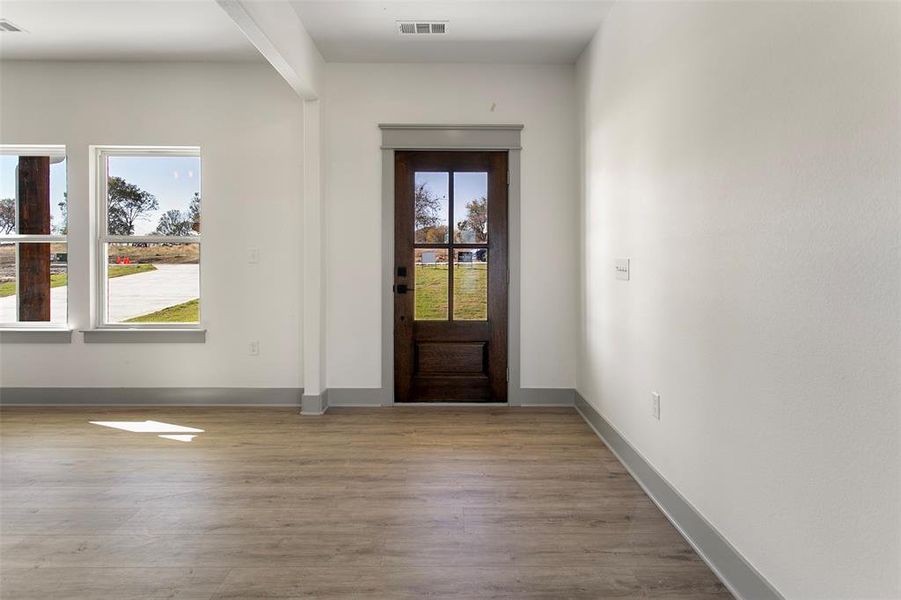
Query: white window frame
[100,154]
[53,151]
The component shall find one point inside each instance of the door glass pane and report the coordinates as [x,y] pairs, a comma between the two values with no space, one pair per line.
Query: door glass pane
[153,283]
[471,284]
[430,207]
[430,293]
[153,195]
[471,208]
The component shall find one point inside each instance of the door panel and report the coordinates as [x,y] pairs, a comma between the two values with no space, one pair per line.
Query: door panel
[450,309]
[451,357]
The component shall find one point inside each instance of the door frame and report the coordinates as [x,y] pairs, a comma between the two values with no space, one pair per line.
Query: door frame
[452,137]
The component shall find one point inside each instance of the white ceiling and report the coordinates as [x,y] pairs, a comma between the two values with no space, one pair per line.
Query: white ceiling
[510,31]
[122,30]
[505,31]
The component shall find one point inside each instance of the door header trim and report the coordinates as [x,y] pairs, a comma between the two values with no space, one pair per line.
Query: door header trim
[488,126]
[399,136]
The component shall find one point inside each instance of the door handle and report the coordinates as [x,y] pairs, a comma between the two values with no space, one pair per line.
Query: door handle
[401,288]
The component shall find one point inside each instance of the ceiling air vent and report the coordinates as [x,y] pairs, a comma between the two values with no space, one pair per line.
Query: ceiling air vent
[6,26]
[421,27]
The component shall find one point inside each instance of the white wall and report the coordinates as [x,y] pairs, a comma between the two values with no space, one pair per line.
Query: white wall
[360,96]
[746,157]
[248,123]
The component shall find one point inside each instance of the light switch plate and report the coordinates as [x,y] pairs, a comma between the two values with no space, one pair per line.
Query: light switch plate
[622,269]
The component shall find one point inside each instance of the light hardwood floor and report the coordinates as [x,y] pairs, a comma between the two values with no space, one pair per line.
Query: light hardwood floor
[408,502]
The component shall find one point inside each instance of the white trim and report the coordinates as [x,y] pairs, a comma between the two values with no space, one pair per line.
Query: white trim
[99,190]
[35,335]
[19,238]
[148,327]
[34,326]
[163,333]
[147,150]
[51,150]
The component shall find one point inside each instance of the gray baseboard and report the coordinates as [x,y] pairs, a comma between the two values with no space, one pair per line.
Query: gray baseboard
[357,397]
[314,405]
[203,396]
[150,396]
[546,397]
[743,580]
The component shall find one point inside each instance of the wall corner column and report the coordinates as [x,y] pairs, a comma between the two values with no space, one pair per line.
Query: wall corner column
[314,366]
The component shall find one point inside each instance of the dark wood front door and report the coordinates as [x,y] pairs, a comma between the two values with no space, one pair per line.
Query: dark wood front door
[450,277]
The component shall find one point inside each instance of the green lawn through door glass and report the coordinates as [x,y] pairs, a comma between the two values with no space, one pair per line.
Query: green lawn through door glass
[430,291]
[471,285]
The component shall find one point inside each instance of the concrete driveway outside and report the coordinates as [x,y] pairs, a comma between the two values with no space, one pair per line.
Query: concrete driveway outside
[129,296]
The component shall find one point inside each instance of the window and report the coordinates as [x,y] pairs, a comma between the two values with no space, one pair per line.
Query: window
[33,228]
[149,236]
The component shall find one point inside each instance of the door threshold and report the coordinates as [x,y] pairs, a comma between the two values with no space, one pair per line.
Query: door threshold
[444,403]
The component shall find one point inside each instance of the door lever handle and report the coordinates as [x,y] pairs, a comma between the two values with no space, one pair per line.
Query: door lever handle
[401,288]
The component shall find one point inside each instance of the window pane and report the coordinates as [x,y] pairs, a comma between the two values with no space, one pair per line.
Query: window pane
[153,195]
[41,294]
[33,192]
[431,285]
[430,212]
[153,283]
[471,208]
[471,285]
[8,283]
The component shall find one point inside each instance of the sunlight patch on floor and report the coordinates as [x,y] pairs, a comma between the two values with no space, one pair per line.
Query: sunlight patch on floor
[178,437]
[147,426]
[168,431]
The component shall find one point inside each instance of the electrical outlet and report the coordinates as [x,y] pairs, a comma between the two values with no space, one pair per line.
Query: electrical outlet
[655,405]
[254,348]
[253,256]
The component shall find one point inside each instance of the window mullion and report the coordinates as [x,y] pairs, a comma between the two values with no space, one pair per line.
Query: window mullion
[150,239]
[450,246]
[33,239]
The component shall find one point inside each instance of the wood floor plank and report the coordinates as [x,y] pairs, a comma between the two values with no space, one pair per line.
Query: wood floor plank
[408,502]
[430,582]
[123,584]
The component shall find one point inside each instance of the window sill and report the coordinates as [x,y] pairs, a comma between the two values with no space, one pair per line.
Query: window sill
[35,335]
[144,336]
